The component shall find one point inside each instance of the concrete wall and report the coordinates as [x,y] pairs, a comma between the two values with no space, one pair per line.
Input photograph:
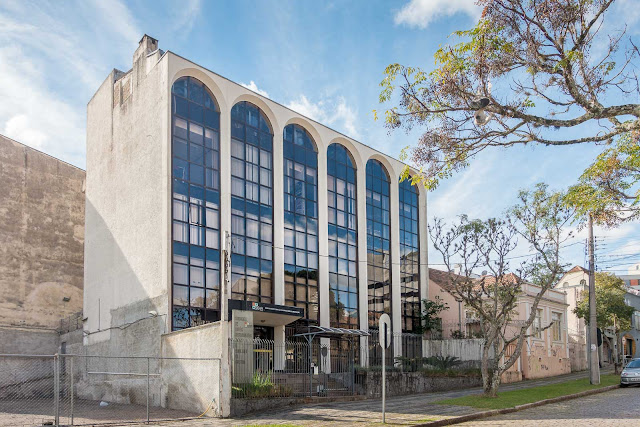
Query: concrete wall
[196,384]
[42,229]
[126,202]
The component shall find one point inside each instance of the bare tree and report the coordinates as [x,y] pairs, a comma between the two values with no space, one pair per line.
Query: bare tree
[530,72]
[540,219]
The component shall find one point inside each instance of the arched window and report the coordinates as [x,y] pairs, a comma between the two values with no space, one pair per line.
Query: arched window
[196,204]
[251,204]
[301,221]
[378,236]
[343,243]
[409,257]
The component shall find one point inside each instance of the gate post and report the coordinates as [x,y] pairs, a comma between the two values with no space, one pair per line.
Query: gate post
[56,388]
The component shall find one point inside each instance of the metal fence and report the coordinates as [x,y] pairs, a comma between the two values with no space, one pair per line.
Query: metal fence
[265,369]
[67,390]
[403,346]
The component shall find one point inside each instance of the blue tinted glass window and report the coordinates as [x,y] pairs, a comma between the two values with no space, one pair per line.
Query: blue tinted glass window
[196,223]
[343,272]
[301,213]
[378,230]
[251,205]
[409,257]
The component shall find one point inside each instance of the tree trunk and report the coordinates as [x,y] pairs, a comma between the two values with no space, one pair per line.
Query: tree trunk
[486,375]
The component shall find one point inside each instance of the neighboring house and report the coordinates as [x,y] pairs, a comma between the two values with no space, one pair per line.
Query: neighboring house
[573,284]
[543,354]
[630,338]
[41,255]
[632,278]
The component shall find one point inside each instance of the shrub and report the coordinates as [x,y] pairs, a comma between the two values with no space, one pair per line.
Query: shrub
[442,362]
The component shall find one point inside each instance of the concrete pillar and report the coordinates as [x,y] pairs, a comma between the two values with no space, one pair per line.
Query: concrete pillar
[323,240]
[225,205]
[323,251]
[363,303]
[278,218]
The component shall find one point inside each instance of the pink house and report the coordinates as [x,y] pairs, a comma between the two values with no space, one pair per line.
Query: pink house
[545,353]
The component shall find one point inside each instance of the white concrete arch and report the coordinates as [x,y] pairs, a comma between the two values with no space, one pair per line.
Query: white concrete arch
[315,136]
[266,110]
[207,81]
[391,172]
[352,149]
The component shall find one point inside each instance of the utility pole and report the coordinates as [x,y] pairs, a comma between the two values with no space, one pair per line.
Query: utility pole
[594,367]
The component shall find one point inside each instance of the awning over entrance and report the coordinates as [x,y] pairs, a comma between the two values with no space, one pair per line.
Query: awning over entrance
[327,332]
[267,314]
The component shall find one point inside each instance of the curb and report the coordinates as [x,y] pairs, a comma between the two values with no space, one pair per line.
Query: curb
[494,412]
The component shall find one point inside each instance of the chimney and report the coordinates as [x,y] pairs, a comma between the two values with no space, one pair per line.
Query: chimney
[147,45]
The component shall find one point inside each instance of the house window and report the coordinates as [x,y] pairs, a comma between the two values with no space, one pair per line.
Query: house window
[538,324]
[556,327]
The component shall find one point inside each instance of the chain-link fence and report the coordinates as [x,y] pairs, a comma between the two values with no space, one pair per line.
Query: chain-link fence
[91,390]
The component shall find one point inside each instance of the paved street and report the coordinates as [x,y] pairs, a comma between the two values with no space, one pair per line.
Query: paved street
[619,407]
[403,410]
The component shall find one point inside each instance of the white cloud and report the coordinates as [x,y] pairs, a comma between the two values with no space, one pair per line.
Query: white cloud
[254,87]
[420,13]
[330,111]
[51,62]
[187,14]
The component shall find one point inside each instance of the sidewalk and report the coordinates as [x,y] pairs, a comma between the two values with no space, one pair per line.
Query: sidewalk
[401,410]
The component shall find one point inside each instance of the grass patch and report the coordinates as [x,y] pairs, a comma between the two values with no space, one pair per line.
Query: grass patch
[509,399]
[270,425]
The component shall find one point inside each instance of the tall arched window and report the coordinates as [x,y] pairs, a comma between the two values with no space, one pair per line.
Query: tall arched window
[409,257]
[343,243]
[301,221]
[378,231]
[251,204]
[196,204]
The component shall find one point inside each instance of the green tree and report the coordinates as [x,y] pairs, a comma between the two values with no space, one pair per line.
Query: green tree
[430,317]
[529,73]
[612,312]
[539,218]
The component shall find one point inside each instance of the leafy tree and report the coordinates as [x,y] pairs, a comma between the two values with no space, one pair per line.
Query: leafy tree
[539,219]
[430,316]
[542,73]
[612,312]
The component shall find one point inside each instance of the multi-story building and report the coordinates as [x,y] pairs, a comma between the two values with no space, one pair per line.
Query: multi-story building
[203,197]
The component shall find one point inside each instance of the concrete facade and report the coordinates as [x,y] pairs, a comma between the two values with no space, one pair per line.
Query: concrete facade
[573,284]
[42,228]
[41,255]
[128,197]
[542,356]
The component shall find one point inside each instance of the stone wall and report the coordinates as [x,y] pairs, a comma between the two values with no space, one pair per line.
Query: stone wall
[403,383]
[42,229]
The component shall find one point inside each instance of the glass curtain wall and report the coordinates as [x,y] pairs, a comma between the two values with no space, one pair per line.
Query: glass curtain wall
[343,272]
[251,204]
[409,257]
[378,230]
[195,204]
[301,221]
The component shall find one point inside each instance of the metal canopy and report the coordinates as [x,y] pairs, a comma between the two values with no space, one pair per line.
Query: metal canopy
[327,332]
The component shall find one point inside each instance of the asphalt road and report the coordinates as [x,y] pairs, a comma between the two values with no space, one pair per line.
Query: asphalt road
[620,407]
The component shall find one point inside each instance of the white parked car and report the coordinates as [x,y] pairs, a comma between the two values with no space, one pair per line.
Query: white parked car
[630,373]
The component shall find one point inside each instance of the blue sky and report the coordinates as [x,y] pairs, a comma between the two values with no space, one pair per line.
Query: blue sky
[323,59]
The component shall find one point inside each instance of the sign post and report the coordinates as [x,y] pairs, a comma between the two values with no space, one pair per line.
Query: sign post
[384,334]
